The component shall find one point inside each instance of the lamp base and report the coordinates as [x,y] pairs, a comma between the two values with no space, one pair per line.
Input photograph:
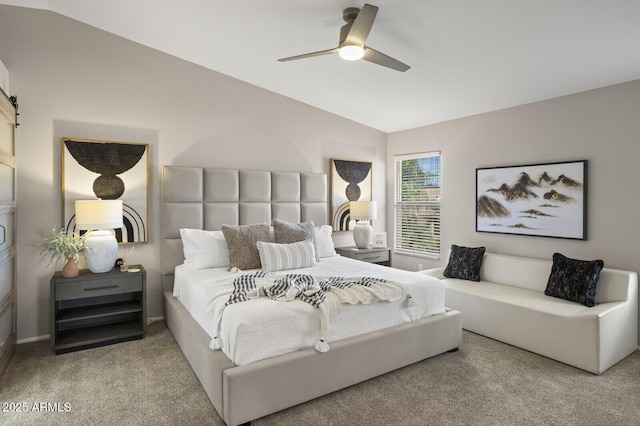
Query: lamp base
[363,234]
[100,251]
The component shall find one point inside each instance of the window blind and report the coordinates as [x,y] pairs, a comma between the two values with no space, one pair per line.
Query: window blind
[417,204]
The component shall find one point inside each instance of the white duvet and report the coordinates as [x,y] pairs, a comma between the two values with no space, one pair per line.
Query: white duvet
[262,328]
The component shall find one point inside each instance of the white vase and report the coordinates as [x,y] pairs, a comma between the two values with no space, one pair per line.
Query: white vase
[100,251]
[363,234]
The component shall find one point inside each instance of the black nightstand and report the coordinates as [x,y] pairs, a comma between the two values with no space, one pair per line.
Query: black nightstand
[93,310]
[379,255]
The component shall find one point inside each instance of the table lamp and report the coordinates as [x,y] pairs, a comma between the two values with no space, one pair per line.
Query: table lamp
[362,212]
[99,217]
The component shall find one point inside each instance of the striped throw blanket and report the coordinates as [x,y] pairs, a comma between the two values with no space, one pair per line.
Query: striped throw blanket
[326,294]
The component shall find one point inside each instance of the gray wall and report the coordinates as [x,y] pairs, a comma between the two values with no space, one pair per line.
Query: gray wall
[602,126]
[73,80]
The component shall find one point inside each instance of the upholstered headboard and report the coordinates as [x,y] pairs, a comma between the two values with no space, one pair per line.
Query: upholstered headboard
[204,198]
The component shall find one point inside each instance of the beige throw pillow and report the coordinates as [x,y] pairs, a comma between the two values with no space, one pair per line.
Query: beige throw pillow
[288,232]
[241,243]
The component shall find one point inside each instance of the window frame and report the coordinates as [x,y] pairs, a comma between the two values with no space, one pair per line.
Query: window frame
[431,205]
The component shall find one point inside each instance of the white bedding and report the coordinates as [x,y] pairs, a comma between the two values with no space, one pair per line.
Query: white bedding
[264,328]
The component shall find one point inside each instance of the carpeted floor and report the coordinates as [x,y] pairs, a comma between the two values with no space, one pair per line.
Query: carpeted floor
[149,382]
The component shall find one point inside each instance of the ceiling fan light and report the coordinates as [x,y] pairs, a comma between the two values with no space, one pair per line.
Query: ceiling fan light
[351,53]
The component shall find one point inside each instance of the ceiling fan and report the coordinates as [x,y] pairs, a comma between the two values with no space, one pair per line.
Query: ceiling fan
[353,36]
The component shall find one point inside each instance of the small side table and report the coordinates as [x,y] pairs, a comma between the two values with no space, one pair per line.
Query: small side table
[93,310]
[379,255]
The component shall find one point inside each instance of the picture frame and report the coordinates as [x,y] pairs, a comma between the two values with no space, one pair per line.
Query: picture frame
[350,181]
[543,200]
[379,240]
[93,169]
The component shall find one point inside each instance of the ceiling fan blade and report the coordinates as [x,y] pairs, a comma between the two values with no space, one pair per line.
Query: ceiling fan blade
[380,58]
[310,55]
[362,25]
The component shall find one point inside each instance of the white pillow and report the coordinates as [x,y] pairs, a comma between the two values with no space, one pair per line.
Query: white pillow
[204,249]
[323,241]
[277,257]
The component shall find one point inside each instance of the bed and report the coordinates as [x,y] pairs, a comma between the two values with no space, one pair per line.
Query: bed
[243,386]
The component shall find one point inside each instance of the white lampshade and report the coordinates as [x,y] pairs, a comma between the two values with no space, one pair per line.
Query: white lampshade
[363,210]
[98,214]
[99,217]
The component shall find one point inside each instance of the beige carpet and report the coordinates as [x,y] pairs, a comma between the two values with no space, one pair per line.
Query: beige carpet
[149,382]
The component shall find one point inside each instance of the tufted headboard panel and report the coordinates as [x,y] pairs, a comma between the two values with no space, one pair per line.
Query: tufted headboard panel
[206,198]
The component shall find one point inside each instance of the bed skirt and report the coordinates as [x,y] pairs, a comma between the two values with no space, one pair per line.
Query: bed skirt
[244,393]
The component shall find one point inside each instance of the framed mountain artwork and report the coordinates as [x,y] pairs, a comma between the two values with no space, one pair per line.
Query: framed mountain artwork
[544,200]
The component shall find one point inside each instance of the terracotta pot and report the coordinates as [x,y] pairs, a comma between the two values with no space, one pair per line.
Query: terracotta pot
[70,269]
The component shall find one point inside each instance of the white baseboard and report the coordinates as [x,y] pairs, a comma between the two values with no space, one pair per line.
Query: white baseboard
[33,339]
[154,319]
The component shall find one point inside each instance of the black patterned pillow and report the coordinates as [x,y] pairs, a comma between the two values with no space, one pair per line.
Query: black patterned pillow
[464,263]
[573,279]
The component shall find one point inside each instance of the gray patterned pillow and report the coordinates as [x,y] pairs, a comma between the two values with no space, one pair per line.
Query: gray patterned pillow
[464,263]
[288,232]
[573,279]
[277,257]
[241,243]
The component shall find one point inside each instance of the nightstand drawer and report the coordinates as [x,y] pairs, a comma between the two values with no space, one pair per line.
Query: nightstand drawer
[81,289]
[372,257]
[381,256]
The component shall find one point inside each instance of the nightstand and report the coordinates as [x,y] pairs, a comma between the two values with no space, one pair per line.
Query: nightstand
[93,310]
[379,255]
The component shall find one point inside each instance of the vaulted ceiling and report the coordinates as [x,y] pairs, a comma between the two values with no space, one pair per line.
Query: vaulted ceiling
[466,56]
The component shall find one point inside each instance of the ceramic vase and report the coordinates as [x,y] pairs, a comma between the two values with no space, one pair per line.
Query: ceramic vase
[70,269]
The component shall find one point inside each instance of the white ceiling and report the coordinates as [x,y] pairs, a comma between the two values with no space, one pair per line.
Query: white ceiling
[466,56]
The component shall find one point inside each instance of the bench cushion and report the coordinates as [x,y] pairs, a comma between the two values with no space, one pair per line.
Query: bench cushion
[514,296]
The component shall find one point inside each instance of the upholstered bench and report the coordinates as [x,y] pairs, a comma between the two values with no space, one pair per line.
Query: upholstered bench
[509,304]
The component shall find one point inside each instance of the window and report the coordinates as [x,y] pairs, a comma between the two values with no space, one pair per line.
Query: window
[417,204]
